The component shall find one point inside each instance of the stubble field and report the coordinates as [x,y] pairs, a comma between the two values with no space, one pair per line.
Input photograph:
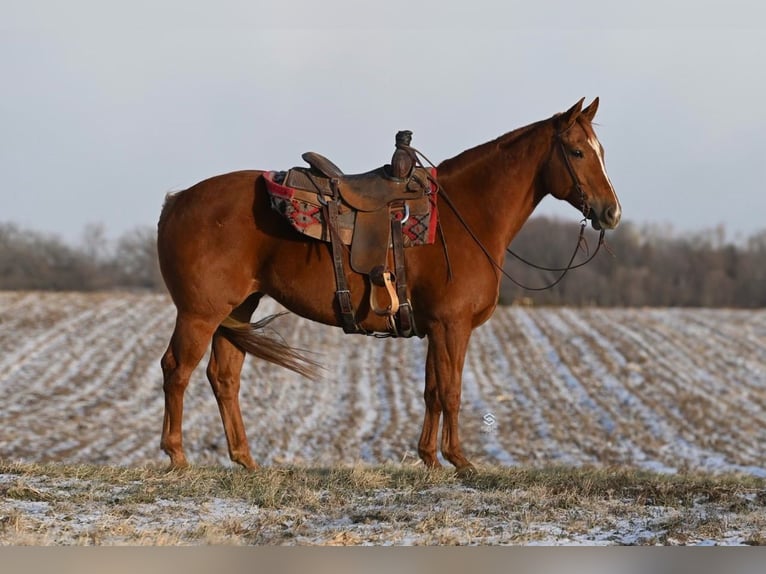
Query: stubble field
[669,391]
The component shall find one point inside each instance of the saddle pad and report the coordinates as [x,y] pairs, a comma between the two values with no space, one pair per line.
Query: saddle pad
[302,209]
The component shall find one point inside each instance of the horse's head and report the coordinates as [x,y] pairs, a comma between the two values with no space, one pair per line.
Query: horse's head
[576,170]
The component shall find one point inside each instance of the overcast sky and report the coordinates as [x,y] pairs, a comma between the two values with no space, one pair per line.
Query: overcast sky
[106,107]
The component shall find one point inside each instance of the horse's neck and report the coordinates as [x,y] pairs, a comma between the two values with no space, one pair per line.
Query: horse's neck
[495,185]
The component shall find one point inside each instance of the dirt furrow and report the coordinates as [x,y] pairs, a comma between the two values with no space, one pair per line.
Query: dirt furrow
[570,405]
[522,425]
[406,375]
[397,377]
[129,393]
[80,337]
[733,346]
[10,301]
[707,400]
[55,324]
[479,415]
[538,396]
[618,439]
[266,398]
[614,376]
[320,416]
[664,377]
[665,389]
[33,390]
[364,403]
[657,362]
[82,397]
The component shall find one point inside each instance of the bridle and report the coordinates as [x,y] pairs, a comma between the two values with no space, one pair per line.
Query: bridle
[585,208]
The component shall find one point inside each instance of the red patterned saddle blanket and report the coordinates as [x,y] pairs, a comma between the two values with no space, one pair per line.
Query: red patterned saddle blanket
[303,208]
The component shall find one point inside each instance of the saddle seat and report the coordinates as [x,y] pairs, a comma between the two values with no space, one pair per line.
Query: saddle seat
[369,191]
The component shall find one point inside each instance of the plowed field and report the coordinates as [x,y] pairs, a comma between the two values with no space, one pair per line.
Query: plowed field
[662,389]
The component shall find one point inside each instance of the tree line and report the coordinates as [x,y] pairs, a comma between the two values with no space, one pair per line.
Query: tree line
[648,265]
[34,260]
[643,265]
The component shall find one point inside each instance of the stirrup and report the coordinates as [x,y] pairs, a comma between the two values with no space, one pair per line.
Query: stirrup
[387,279]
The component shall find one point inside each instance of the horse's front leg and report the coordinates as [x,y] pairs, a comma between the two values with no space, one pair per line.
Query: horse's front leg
[447,345]
[429,434]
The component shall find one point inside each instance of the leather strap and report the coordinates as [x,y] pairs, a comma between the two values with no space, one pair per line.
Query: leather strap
[347,315]
[406,326]
[401,323]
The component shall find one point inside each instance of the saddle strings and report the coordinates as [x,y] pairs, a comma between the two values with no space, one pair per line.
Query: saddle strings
[564,270]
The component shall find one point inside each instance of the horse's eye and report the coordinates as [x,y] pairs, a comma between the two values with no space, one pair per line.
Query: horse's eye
[577,152]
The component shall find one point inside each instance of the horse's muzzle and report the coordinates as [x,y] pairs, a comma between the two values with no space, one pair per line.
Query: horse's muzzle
[607,218]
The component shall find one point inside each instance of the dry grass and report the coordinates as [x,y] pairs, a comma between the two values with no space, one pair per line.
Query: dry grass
[401,505]
[599,391]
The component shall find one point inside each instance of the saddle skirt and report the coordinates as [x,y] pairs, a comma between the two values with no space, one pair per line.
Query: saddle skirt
[298,195]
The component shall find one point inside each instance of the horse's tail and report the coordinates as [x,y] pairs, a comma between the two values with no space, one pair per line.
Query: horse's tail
[251,338]
[170,199]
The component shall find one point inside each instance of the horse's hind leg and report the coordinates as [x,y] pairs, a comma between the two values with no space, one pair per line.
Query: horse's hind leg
[223,372]
[187,346]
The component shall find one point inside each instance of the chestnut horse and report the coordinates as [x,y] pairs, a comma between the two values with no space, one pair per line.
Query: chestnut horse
[222,247]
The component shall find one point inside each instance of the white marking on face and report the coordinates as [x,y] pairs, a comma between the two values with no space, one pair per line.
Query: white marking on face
[594,143]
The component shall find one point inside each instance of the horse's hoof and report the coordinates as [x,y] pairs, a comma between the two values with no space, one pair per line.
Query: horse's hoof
[429,460]
[466,471]
[249,466]
[178,464]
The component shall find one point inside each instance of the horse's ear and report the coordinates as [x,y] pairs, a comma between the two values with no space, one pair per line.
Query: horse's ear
[590,112]
[568,118]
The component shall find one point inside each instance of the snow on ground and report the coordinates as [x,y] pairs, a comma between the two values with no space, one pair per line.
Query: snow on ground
[93,511]
[663,389]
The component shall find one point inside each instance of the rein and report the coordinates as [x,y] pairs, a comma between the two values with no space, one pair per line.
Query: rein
[580,240]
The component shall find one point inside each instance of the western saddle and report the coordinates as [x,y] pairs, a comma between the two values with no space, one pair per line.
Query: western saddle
[380,201]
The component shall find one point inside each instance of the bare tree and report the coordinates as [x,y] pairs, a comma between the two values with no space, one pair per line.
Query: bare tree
[652,266]
[136,259]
